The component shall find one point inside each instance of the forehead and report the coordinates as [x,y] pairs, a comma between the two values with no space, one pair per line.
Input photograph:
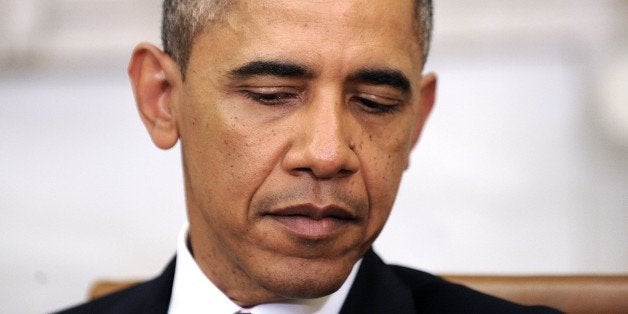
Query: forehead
[373,31]
[350,12]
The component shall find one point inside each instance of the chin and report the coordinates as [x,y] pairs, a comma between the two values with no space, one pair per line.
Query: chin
[308,288]
[306,280]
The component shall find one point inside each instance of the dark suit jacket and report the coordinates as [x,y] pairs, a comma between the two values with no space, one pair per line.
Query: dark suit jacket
[378,288]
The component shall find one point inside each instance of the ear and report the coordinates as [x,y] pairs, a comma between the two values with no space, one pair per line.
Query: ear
[155,77]
[426,103]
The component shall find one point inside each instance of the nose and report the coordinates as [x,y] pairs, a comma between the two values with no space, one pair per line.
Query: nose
[323,144]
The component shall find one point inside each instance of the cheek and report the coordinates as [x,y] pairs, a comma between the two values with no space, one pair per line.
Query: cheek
[225,158]
[383,161]
[221,156]
[382,177]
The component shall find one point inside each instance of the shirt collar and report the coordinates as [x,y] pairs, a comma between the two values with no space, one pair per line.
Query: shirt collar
[193,292]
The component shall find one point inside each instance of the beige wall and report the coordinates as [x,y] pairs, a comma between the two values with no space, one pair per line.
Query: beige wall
[523,167]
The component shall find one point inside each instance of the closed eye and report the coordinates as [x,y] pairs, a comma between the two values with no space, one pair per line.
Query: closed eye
[375,107]
[270,98]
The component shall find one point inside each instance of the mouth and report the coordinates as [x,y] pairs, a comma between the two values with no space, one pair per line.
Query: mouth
[311,222]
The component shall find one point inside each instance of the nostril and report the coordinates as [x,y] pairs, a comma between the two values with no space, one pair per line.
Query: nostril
[303,169]
[345,173]
[323,172]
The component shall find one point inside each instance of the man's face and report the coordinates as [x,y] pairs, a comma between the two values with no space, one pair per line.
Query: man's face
[296,119]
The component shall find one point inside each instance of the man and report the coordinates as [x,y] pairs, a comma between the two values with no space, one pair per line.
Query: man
[296,120]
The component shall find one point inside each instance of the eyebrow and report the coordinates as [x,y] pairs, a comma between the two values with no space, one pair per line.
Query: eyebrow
[389,77]
[272,68]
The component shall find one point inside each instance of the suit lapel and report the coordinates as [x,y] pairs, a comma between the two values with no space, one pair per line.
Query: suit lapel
[376,289]
[157,292]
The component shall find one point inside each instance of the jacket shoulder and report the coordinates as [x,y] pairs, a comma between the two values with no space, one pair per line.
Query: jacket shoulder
[152,296]
[434,294]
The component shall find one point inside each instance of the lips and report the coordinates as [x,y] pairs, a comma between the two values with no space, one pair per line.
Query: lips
[312,222]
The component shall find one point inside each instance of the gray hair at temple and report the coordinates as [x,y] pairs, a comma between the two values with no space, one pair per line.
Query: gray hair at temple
[183,20]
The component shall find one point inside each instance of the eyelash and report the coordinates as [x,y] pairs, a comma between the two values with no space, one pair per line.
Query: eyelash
[376,107]
[270,99]
[274,99]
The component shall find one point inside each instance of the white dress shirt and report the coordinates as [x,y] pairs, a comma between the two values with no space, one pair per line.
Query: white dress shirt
[193,292]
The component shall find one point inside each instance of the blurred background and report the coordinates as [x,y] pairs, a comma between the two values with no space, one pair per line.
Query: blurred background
[522,169]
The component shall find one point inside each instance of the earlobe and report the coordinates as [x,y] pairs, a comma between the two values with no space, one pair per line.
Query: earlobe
[154,77]
[426,103]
